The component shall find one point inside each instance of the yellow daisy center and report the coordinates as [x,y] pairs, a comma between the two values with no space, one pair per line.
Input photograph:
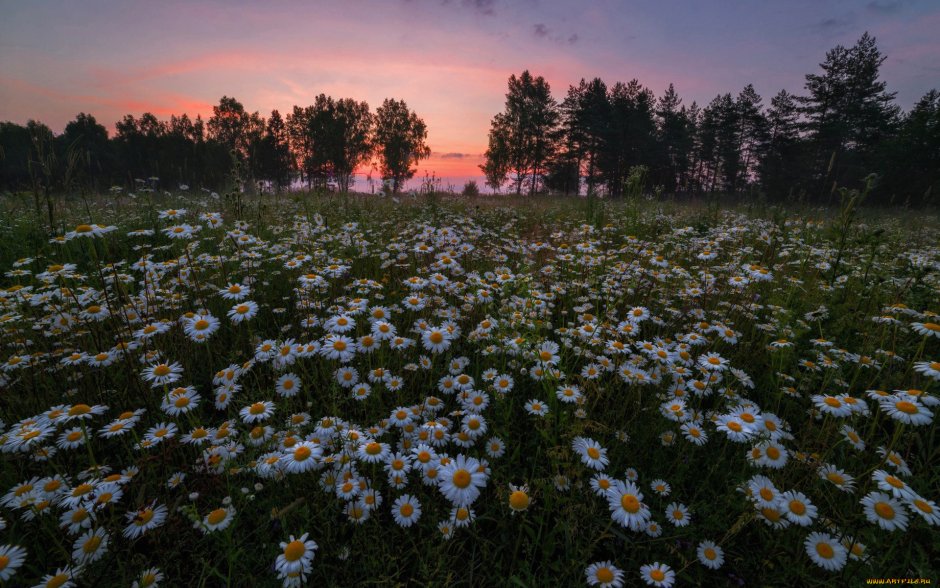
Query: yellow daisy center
[461,478]
[906,407]
[884,510]
[825,550]
[630,503]
[294,550]
[217,516]
[604,575]
[519,500]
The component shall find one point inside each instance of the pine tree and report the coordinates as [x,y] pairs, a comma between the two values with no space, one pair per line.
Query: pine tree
[753,135]
[847,112]
[779,168]
[674,136]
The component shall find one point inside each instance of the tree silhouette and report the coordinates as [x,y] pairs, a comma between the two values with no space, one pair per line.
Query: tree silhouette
[400,141]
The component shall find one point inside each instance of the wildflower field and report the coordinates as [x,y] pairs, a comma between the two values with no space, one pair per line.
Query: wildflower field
[338,390]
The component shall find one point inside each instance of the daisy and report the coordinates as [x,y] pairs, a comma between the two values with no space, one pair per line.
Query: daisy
[853,438]
[162,373]
[737,429]
[259,411]
[888,483]
[712,362]
[406,510]
[461,480]
[180,401]
[536,407]
[678,514]
[519,499]
[370,499]
[906,411]
[11,558]
[797,508]
[373,452]
[842,480]
[601,483]
[832,405]
[62,578]
[183,231]
[338,347]
[931,369]
[710,555]
[503,383]
[495,448]
[435,340]
[626,505]
[660,487]
[885,511]
[693,432]
[927,329]
[826,551]
[235,292]
[657,574]
[217,520]
[927,509]
[591,453]
[172,213]
[145,519]
[302,457]
[200,327]
[149,578]
[288,385]
[243,311]
[604,574]
[296,555]
[90,546]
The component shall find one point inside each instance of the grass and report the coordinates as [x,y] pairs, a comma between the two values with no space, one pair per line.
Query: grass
[556,270]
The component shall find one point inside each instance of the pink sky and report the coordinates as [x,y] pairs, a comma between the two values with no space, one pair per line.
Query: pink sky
[449,60]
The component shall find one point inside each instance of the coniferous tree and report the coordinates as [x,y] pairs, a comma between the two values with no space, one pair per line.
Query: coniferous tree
[586,116]
[631,135]
[674,135]
[847,112]
[779,168]
[912,159]
[752,135]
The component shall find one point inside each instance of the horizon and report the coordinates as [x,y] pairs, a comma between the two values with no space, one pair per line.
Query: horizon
[453,72]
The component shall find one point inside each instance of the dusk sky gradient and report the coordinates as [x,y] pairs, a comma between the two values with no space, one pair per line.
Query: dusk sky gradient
[449,60]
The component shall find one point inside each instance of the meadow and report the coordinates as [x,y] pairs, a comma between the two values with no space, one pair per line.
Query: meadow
[333,390]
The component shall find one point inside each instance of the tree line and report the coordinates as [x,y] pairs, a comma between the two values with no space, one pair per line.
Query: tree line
[842,129]
[318,145]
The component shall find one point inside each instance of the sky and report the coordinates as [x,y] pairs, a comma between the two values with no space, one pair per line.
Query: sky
[448,59]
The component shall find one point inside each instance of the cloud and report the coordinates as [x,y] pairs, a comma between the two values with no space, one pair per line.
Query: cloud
[484,7]
[834,25]
[886,6]
[454,155]
[541,31]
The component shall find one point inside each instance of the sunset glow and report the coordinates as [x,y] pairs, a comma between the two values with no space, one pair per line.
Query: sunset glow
[449,60]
